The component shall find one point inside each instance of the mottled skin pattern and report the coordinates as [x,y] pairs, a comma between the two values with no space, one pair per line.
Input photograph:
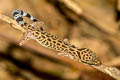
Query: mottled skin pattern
[36,32]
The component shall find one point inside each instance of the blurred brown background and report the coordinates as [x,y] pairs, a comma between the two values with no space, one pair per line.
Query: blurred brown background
[94,24]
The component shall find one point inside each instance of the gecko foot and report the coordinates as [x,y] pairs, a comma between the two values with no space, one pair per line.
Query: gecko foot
[64,54]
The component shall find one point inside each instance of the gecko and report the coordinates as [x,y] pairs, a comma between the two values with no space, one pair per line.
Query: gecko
[36,32]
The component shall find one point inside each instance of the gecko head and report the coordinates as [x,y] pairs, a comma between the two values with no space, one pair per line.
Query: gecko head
[96,60]
[93,60]
[88,57]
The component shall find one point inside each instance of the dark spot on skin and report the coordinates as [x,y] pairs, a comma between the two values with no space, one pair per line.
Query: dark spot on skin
[79,56]
[41,28]
[83,57]
[43,41]
[42,36]
[29,26]
[89,58]
[85,52]
[70,52]
[74,52]
[54,41]
[65,50]
[37,33]
[58,43]
[80,49]
[57,47]
[38,37]
[90,54]
[22,25]
[53,45]
[53,37]
[49,39]
[71,49]
[47,35]
[73,46]
[34,20]
[82,52]
[64,46]
[78,52]
[86,58]
[33,33]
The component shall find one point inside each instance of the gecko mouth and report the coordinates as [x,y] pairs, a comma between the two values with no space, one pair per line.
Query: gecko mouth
[97,61]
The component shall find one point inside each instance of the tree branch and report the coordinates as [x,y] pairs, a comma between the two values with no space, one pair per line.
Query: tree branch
[112,71]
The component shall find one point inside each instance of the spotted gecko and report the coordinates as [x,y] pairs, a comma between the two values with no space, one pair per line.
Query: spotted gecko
[63,46]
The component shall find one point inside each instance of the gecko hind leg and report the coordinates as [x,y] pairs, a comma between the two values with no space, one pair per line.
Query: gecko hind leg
[38,25]
[66,40]
[65,54]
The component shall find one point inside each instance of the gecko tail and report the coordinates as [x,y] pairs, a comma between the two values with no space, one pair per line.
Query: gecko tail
[17,14]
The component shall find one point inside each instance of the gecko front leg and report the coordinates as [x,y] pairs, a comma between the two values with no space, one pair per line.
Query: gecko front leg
[65,54]
[26,37]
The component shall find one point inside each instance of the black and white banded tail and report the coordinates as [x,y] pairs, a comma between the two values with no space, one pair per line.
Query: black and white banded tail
[17,14]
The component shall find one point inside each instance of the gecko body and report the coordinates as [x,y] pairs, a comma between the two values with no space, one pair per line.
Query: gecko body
[63,46]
